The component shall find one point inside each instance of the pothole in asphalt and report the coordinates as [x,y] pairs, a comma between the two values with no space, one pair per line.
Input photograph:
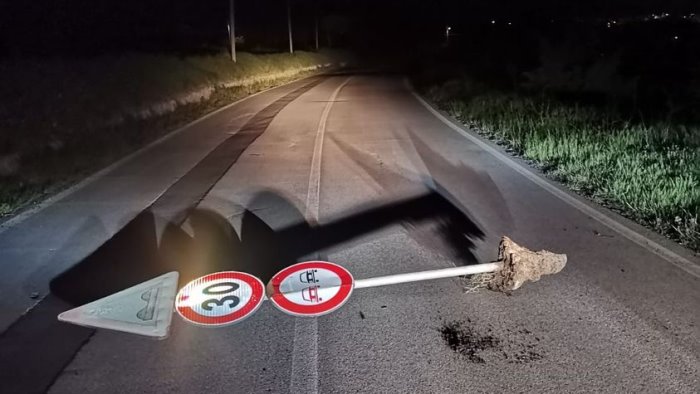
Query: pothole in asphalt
[482,345]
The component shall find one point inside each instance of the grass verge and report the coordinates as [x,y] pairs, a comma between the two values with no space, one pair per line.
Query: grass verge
[648,173]
[61,121]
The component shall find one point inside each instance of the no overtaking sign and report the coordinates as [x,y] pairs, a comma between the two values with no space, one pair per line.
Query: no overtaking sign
[312,288]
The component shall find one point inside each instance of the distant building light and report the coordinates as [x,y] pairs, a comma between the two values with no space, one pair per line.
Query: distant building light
[493,22]
[675,37]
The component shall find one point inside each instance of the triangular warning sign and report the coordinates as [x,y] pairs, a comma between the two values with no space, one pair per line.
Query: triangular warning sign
[144,309]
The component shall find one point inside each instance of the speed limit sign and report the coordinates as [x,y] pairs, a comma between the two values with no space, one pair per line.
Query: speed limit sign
[220,299]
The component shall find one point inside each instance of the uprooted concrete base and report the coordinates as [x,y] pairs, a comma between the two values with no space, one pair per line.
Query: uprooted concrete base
[521,264]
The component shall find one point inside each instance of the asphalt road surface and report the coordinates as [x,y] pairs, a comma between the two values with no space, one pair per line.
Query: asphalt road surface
[345,155]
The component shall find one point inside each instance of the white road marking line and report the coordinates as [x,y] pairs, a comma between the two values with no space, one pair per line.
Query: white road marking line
[639,239]
[314,190]
[304,377]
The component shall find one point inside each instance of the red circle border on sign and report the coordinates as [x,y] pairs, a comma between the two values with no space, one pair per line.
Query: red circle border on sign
[283,304]
[255,301]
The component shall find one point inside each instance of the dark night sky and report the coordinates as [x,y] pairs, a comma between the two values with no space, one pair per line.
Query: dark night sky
[48,26]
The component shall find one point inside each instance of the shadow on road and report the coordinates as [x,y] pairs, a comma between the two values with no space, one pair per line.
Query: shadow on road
[211,244]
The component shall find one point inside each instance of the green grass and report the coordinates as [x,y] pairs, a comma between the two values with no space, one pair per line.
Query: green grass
[63,120]
[649,173]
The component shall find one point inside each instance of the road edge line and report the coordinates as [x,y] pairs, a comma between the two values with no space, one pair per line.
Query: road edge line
[667,254]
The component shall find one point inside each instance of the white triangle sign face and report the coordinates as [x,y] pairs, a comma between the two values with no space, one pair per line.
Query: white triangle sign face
[144,309]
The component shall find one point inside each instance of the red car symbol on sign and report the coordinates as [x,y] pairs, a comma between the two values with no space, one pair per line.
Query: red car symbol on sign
[311,294]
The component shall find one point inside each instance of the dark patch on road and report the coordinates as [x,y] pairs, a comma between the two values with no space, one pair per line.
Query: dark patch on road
[518,345]
[463,339]
[599,234]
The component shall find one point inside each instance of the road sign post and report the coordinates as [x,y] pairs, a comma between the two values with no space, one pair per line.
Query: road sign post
[312,288]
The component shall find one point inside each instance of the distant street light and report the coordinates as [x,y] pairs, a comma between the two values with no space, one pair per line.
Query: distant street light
[289,27]
[447,34]
[316,26]
[232,30]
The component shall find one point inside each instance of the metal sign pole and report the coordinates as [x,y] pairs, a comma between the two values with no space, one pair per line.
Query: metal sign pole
[427,275]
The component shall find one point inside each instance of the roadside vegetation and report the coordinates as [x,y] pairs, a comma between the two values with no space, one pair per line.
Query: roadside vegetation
[64,119]
[649,173]
[628,143]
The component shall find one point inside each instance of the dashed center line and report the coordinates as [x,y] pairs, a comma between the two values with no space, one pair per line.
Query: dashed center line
[304,377]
